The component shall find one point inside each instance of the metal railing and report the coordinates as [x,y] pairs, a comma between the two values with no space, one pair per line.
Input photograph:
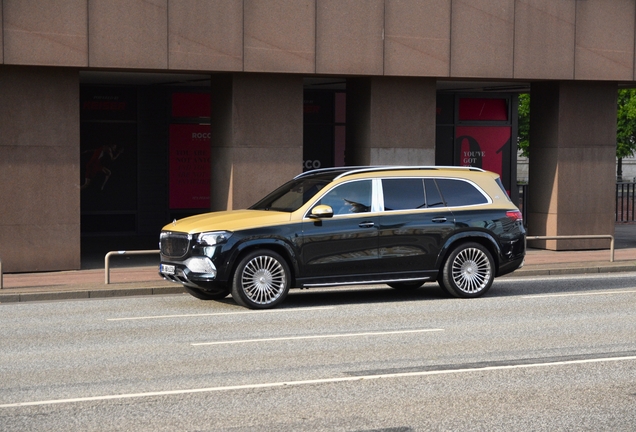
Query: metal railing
[120,253]
[625,201]
[573,237]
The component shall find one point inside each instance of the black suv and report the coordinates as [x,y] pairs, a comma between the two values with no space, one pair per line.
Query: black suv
[402,226]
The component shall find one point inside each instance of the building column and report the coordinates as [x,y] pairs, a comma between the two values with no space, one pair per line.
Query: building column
[390,121]
[572,162]
[257,136]
[39,169]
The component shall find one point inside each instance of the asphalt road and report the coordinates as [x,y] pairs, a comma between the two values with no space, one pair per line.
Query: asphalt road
[534,354]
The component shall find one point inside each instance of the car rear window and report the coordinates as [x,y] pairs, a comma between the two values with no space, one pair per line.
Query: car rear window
[458,193]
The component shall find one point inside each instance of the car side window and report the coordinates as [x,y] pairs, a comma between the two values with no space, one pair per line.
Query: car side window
[433,197]
[403,194]
[459,193]
[352,197]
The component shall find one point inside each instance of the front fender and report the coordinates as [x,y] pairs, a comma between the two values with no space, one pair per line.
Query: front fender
[279,245]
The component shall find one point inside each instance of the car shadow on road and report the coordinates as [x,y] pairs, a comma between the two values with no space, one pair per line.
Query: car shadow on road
[504,287]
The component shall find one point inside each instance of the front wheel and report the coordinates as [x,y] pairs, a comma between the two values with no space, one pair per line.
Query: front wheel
[468,271]
[261,280]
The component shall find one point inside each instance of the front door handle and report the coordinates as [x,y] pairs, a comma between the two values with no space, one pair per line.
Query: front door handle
[366,225]
[440,219]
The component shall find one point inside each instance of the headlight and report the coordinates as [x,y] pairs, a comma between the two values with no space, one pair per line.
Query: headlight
[213,238]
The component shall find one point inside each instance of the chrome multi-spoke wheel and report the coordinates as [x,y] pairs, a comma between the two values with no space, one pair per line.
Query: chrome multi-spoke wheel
[261,280]
[468,271]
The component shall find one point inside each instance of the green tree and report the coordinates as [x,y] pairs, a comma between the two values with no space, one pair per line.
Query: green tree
[523,138]
[625,127]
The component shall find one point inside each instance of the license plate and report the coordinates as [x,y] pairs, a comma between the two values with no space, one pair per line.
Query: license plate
[167,269]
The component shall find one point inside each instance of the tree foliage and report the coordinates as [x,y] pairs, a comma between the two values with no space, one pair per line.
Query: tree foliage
[625,123]
[523,138]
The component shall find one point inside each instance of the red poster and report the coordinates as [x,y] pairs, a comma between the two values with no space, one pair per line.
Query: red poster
[485,147]
[189,166]
[483,109]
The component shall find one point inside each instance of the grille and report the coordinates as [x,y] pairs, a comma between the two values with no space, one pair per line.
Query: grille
[174,244]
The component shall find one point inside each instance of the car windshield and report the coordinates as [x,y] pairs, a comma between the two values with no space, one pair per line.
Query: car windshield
[292,195]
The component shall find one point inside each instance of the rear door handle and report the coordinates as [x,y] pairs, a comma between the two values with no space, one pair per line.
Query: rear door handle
[366,225]
[440,219]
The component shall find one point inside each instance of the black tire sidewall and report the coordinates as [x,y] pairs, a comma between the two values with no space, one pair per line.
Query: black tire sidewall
[447,281]
[238,294]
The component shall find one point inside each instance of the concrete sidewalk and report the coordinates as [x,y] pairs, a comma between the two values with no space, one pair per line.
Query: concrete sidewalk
[144,280]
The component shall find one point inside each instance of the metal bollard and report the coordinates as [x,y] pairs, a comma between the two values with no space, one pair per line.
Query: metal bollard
[109,254]
[0,274]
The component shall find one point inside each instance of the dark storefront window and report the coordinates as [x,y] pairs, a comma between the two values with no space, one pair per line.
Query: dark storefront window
[108,157]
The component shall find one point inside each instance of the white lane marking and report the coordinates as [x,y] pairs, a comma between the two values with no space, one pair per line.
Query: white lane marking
[595,293]
[343,335]
[217,314]
[311,382]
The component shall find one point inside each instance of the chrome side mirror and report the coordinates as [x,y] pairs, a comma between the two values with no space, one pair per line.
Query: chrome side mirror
[321,212]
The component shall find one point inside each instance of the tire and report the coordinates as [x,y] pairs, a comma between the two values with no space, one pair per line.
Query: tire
[468,271]
[406,286]
[261,280]
[207,295]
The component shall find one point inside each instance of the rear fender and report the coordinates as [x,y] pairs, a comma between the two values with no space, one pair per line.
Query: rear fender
[480,237]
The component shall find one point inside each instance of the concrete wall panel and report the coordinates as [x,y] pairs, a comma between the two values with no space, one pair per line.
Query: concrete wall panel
[267,111]
[45,32]
[573,162]
[128,34]
[417,37]
[482,36]
[1,37]
[544,39]
[280,36]
[206,35]
[257,136]
[605,40]
[391,120]
[589,113]
[349,37]
[39,169]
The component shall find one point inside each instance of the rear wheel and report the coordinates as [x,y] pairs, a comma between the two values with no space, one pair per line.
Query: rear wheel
[406,286]
[208,295]
[468,271]
[261,280]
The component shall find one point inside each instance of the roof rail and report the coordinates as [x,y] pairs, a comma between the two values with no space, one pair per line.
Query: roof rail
[358,170]
[350,170]
[325,170]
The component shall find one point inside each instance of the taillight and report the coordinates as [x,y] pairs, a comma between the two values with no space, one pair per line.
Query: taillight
[515,215]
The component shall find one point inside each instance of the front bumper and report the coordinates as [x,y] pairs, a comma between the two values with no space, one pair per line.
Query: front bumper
[181,273]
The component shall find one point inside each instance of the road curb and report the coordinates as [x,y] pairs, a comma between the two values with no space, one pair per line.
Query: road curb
[73,294]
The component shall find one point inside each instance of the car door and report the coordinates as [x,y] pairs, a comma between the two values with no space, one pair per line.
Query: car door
[414,226]
[345,246]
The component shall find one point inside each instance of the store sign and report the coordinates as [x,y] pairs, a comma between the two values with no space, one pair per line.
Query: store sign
[189,166]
